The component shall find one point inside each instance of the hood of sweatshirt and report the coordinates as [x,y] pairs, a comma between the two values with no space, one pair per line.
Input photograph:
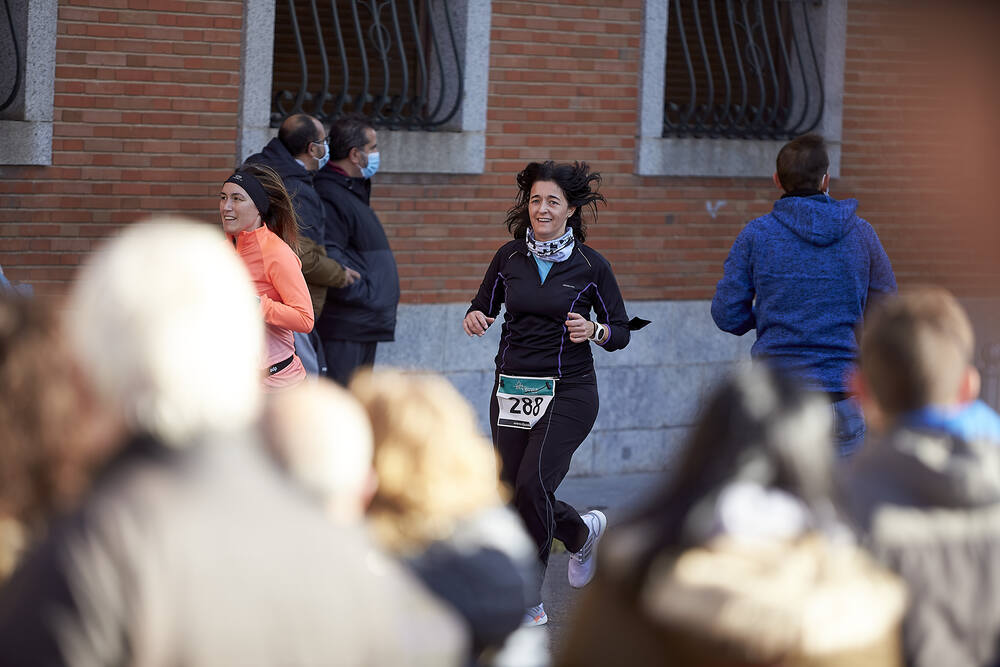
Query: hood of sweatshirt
[819,220]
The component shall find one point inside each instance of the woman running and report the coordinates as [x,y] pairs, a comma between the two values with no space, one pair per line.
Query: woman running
[545,399]
[257,215]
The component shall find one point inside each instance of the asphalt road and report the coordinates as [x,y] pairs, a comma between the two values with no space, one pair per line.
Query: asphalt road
[615,495]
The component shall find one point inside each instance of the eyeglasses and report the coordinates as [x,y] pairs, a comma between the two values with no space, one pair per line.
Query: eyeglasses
[324,140]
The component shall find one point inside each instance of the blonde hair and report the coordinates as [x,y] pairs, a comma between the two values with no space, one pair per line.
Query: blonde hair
[166,325]
[915,349]
[433,466]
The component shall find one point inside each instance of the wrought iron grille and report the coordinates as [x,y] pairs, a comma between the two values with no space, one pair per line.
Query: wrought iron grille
[741,69]
[10,77]
[395,61]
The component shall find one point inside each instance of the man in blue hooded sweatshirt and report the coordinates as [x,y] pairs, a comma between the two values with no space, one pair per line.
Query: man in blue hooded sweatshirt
[802,276]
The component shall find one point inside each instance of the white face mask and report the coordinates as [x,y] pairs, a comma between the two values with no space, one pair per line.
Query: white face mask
[369,170]
[326,155]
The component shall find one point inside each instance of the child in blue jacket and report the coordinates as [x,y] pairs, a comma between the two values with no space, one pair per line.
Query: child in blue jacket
[924,491]
[802,276]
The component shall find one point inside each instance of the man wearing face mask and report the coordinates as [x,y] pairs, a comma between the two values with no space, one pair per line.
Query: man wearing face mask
[358,316]
[300,150]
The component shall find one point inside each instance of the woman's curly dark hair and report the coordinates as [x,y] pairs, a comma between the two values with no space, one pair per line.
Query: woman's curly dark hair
[576,181]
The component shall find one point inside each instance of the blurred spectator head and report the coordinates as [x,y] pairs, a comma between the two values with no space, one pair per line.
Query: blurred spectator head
[916,350]
[433,466]
[322,436]
[760,428]
[740,559]
[50,430]
[165,323]
[802,163]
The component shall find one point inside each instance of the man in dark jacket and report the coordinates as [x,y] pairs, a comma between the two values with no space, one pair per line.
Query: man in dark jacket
[802,276]
[359,315]
[299,150]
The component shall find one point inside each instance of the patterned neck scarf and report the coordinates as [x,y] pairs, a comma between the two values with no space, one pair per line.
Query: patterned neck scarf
[555,250]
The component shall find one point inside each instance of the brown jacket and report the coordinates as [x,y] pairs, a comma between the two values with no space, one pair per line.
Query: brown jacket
[319,271]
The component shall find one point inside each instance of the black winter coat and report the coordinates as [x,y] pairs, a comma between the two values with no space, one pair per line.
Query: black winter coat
[366,310]
[534,340]
[299,183]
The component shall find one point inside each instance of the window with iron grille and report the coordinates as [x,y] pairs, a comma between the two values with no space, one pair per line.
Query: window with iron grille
[419,69]
[27,81]
[396,62]
[726,82]
[743,69]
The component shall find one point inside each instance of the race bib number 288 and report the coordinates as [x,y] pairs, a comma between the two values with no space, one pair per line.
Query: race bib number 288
[523,400]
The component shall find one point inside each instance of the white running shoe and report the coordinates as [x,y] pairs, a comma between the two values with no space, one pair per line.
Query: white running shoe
[534,616]
[583,563]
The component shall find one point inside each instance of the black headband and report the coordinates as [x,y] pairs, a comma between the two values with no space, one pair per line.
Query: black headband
[258,195]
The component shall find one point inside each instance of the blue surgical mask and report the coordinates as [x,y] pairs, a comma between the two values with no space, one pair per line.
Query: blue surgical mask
[326,155]
[369,170]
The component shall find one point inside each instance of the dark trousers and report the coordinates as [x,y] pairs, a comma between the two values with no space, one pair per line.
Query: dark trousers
[309,349]
[534,463]
[344,357]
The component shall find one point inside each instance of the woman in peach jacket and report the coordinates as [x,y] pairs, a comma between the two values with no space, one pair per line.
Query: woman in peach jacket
[257,215]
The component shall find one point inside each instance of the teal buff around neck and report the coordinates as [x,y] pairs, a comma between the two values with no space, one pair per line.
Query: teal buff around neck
[555,250]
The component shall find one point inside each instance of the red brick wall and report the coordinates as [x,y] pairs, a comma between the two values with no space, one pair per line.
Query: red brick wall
[920,139]
[145,111]
[146,105]
[564,85]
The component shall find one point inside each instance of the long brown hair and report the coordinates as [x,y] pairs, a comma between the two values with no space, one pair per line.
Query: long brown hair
[281,218]
[50,429]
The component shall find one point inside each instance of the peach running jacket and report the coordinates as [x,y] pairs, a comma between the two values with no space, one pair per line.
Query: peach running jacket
[284,299]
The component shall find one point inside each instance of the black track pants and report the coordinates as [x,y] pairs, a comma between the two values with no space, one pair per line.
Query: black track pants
[534,463]
[344,357]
